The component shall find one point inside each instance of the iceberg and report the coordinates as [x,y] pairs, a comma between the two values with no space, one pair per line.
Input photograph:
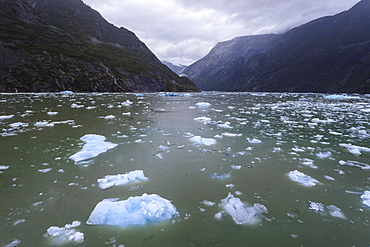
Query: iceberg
[116,180]
[94,145]
[65,235]
[203,141]
[240,213]
[302,178]
[366,198]
[138,210]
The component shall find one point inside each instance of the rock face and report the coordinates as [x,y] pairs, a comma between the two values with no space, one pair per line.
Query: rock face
[330,54]
[55,45]
[177,68]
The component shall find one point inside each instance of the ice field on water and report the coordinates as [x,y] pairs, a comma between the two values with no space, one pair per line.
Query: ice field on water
[200,169]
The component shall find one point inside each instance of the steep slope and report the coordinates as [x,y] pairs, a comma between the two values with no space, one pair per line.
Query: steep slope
[53,45]
[330,54]
[177,68]
[219,68]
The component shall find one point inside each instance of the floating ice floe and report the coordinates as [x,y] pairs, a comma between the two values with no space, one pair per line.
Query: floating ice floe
[202,119]
[52,113]
[302,178]
[74,105]
[138,210]
[254,141]
[45,170]
[18,125]
[6,117]
[331,210]
[218,176]
[203,141]
[240,213]
[116,180]
[66,92]
[44,124]
[323,155]
[355,164]
[208,203]
[203,104]
[109,117]
[127,103]
[14,243]
[65,235]
[366,198]
[94,145]
[4,167]
[231,134]
[356,150]
[341,96]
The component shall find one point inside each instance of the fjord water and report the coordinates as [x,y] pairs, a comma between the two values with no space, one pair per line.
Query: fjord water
[257,139]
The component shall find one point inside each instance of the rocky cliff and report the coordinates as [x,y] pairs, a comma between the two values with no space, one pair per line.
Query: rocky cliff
[54,45]
[330,54]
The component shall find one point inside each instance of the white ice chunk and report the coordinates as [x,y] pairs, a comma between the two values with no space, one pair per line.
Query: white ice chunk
[366,198]
[240,213]
[44,124]
[355,164]
[18,124]
[13,244]
[218,216]
[356,150]
[202,119]
[208,203]
[254,141]
[4,167]
[116,180]
[225,125]
[52,113]
[6,117]
[65,235]
[94,145]
[127,103]
[231,134]
[302,178]
[74,105]
[45,170]
[218,176]
[323,155]
[316,206]
[138,210]
[336,212]
[203,104]
[109,117]
[329,177]
[203,141]
[236,167]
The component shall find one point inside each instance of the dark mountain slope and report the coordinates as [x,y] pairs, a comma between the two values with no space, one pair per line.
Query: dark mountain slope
[330,54]
[53,45]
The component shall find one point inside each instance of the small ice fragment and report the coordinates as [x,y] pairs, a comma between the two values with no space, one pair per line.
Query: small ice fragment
[356,150]
[316,206]
[18,124]
[323,155]
[329,178]
[218,176]
[13,244]
[355,164]
[45,170]
[225,125]
[203,141]
[235,167]
[126,113]
[44,124]
[138,210]
[254,141]
[203,104]
[302,178]
[218,216]
[208,203]
[336,212]
[231,134]
[4,167]
[202,119]
[127,103]
[94,145]
[366,198]
[109,117]
[52,113]
[230,186]
[74,105]
[18,222]
[66,92]
[65,235]
[240,213]
[159,155]
[6,117]
[116,180]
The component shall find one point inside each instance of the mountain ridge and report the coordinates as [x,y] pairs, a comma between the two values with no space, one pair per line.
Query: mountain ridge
[330,54]
[55,45]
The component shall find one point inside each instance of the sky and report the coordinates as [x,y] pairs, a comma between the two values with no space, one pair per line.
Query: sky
[184,31]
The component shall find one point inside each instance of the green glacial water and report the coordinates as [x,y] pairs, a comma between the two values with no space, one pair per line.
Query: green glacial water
[194,150]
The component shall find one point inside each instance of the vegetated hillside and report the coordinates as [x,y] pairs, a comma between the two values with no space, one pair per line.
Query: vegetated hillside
[53,45]
[330,54]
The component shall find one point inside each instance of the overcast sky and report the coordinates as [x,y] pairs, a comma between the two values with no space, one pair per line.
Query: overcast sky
[183,31]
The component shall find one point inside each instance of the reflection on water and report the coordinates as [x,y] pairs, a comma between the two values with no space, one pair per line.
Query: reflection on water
[194,150]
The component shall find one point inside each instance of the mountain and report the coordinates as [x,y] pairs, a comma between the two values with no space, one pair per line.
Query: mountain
[218,70]
[330,54]
[55,45]
[177,68]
